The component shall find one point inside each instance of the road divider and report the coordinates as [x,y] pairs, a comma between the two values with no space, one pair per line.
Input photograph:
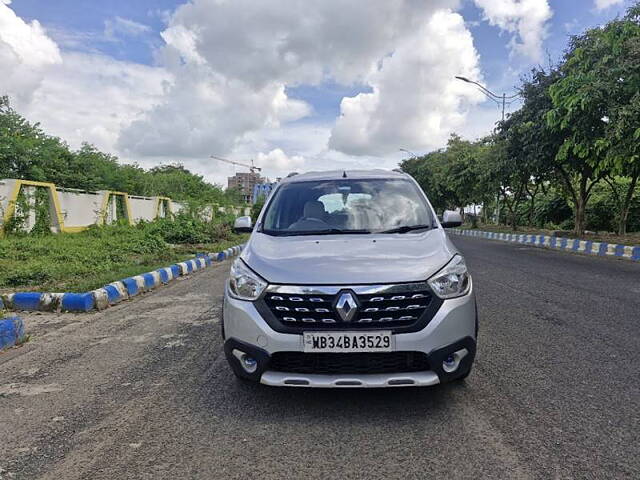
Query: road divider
[114,292]
[588,247]
[11,331]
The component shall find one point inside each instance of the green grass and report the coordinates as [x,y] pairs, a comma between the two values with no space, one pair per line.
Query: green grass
[87,260]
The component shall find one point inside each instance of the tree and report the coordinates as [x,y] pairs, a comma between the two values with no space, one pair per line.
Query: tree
[584,97]
[429,171]
[597,102]
[616,49]
[452,177]
[529,147]
[502,172]
[19,142]
[462,172]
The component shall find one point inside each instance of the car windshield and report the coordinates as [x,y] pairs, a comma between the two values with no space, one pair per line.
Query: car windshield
[347,206]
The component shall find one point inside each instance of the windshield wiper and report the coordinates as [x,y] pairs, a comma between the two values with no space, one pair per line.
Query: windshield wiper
[406,228]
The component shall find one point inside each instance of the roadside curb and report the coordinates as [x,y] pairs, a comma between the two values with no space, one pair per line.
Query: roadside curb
[588,247]
[11,331]
[114,292]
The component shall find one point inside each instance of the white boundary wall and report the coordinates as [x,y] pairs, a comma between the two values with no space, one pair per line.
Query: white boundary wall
[80,208]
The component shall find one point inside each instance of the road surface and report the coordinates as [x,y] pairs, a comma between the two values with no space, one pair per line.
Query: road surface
[142,390]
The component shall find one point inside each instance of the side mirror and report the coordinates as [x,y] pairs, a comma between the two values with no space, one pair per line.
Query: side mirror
[242,225]
[451,219]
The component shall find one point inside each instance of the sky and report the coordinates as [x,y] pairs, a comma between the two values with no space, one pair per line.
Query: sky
[294,85]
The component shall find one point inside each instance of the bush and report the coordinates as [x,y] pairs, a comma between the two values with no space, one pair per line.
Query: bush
[567,224]
[187,228]
[99,255]
[552,208]
[256,208]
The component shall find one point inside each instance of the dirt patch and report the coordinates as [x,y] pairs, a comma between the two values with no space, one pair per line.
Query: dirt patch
[25,390]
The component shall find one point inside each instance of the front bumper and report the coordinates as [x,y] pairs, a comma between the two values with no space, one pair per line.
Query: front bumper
[454,327]
[235,349]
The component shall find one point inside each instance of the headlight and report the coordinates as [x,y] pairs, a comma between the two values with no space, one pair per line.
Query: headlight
[452,281]
[243,283]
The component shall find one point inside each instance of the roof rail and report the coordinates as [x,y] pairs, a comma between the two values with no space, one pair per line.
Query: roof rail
[292,174]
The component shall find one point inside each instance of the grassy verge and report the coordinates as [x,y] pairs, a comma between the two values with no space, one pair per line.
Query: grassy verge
[87,260]
[630,239]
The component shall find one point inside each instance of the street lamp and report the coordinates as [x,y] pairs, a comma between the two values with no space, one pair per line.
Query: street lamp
[499,99]
[409,152]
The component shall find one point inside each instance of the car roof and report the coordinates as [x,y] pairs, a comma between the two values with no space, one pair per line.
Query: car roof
[344,174]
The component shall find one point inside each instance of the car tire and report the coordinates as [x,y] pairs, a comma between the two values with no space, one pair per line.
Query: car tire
[224,337]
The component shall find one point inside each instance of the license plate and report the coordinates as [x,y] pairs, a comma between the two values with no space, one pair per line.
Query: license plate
[347,342]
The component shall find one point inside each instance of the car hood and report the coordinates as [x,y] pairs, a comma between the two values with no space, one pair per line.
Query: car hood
[348,259]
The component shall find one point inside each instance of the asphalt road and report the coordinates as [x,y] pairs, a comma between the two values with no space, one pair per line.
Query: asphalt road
[142,390]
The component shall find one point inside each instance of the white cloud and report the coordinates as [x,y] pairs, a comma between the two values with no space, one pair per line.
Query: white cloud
[25,51]
[205,113]
[295,41]
[90,97]
[233,60]
[279,162]
[604,4]
[416,101]
[116,26]
[526,19]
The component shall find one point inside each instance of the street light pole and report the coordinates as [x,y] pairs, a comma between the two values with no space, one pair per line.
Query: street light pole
[409,152]
[499,99]
[502,101]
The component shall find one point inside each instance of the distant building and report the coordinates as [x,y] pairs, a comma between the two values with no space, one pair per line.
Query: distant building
[245,183]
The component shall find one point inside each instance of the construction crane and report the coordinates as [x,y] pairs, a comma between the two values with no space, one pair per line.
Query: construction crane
[252,168]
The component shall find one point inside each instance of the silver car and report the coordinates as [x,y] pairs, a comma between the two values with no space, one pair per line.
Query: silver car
[349,280]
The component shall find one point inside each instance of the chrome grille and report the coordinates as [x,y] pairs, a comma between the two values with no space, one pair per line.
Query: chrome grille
[378,307]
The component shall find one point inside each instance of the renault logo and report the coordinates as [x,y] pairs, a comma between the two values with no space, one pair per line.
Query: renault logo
[346,306]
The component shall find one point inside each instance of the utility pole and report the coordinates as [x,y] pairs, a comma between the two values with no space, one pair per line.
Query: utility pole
[501,100]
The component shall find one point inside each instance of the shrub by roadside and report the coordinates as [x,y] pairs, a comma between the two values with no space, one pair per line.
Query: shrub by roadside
[90,259]
[189,229]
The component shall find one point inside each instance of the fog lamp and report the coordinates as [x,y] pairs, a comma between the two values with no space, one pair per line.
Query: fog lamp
[452,361]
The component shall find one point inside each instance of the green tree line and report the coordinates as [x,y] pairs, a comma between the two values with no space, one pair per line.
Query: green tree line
[570,156]
[27,152]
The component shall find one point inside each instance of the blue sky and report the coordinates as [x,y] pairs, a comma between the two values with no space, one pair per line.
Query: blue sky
[151,85]
[74,17]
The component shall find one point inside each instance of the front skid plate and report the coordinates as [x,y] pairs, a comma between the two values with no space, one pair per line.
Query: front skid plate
[370,380]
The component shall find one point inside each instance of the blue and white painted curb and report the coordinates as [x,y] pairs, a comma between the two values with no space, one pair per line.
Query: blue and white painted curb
[11,331]
[114,292]
[559,243]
